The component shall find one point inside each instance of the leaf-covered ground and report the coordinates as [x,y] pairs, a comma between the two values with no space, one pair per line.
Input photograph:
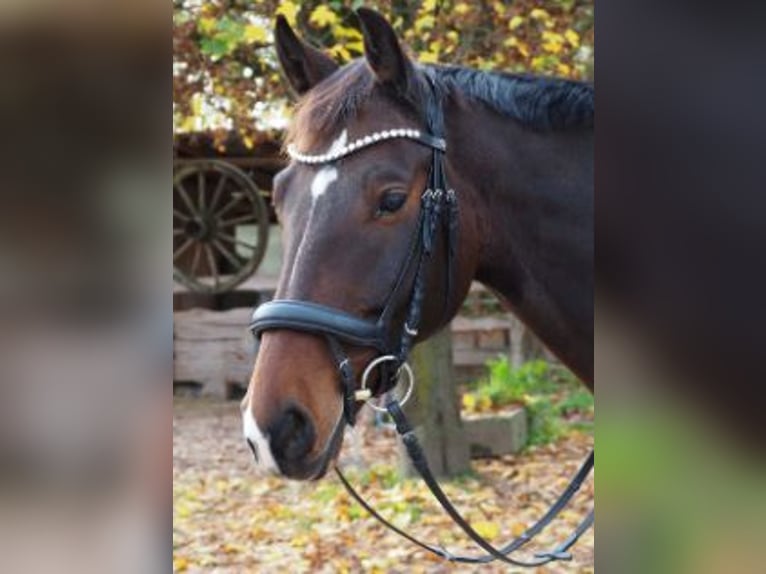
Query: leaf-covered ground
[228,518]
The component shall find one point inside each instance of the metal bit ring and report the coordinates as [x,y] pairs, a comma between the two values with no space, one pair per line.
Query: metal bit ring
[364,393]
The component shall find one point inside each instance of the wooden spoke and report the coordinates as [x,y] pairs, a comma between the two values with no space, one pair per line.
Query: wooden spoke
[195,260]
[218,190]
[201,190]
[249,218]
[177,232]
[235,199]
[180,215]
[230,257]
[213,266]
[232,239]
[181,250]
[185,197]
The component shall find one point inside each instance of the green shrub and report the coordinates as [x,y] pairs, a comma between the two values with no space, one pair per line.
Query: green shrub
[507,384]
[547,393]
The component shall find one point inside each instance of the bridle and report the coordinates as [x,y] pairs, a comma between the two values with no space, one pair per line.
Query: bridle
[438,216]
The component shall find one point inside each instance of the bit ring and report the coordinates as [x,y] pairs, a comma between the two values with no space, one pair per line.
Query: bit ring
[364,393]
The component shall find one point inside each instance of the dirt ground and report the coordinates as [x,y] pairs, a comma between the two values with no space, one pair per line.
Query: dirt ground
[228,518]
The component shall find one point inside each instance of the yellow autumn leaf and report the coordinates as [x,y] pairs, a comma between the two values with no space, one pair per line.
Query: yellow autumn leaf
[196,104]
[349,33]
[462,9]
[485,403]
[357,46]
[573,38]
[551,47]
[563,69]
[520,46]
[180,564]
[539,14]
[182,509]
[289,10]
[555,37]
[322,16]
[518,529]
[341,52]
[538,64]
[515,22]
[424,22]
[206,25]
[487,529]
[469,402]
[499,8]
[428,58]
[255,33]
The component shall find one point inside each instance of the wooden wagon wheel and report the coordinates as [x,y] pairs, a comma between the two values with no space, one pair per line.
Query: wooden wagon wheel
[220,225]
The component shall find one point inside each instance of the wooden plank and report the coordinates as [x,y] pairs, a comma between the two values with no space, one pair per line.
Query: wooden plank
[461,324]
[213,348]
[205,325]
[473,357]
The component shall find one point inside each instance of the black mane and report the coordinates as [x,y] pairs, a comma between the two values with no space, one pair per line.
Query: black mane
[538,102]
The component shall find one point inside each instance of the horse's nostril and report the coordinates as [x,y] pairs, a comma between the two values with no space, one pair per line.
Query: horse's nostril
[292,436]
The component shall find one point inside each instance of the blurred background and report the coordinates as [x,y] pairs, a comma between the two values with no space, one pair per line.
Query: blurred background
[85,288]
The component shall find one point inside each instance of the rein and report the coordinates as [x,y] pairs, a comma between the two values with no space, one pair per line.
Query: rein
[438,215]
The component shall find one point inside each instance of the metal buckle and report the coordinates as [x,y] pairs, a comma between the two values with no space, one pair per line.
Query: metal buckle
[364,394]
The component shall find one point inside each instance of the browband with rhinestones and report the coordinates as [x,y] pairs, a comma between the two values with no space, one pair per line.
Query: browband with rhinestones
[415,135]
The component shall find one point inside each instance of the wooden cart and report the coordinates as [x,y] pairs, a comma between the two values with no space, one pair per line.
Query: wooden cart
[221,210]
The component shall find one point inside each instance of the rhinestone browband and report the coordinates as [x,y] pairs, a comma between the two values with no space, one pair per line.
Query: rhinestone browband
[366,141]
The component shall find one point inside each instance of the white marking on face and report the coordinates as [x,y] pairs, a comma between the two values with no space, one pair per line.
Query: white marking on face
[265,460]
[322,181]
[327,174]
[319,185]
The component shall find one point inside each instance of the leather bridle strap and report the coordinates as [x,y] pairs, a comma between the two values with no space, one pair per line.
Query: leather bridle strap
[318,319]
[420,463]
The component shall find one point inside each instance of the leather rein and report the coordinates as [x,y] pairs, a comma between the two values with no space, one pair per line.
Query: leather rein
[438,215]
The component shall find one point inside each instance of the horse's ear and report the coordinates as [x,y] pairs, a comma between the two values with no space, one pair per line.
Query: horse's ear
[383,52]
[304,65]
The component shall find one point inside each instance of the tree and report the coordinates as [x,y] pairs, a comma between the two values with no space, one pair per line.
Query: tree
[226,77]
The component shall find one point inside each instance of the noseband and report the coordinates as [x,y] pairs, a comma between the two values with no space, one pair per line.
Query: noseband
[438,214]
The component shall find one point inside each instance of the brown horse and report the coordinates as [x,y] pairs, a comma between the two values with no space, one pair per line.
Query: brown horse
[519,155]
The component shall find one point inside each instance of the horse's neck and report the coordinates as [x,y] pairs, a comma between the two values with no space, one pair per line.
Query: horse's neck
[534,196]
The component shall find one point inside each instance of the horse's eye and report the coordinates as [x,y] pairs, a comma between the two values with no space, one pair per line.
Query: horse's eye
[391,202]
